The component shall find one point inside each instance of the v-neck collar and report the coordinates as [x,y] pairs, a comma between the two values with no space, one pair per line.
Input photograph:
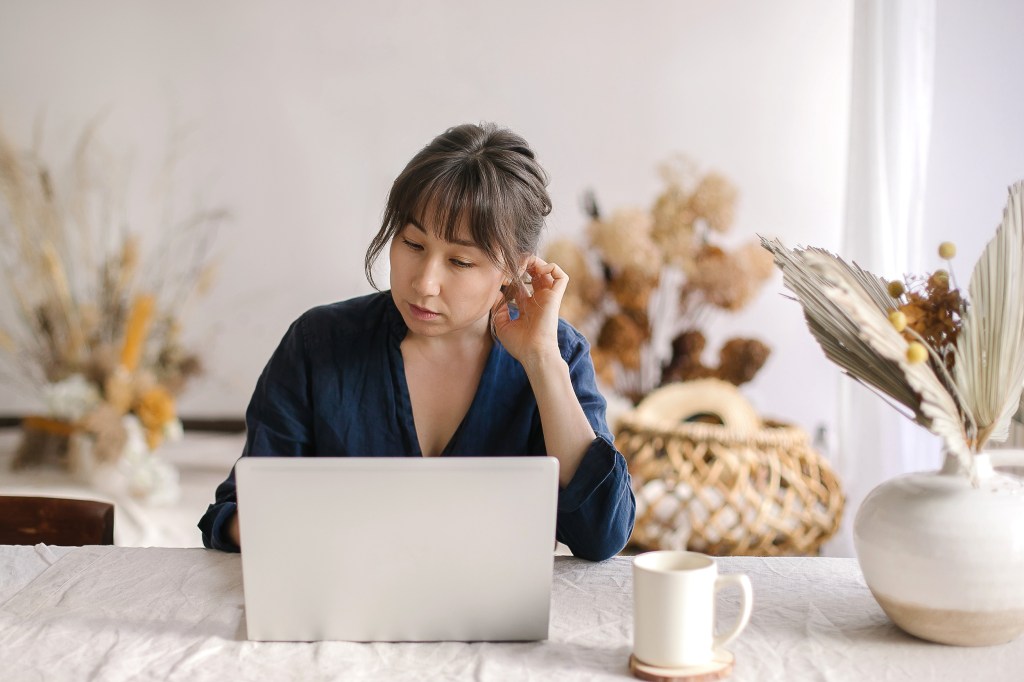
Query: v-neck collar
[403,402]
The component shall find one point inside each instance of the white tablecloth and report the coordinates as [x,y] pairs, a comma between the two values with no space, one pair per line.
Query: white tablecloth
[113,613]
[203,460]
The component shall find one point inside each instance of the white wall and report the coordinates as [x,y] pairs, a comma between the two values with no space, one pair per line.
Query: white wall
[304,112]
[977,146]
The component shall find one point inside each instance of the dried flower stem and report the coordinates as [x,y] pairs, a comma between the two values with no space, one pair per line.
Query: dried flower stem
[138,327]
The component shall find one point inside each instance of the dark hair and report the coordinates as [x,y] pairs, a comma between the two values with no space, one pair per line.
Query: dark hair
[483,172]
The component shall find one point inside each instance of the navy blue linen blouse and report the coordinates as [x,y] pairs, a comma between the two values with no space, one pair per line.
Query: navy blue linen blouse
[335,387]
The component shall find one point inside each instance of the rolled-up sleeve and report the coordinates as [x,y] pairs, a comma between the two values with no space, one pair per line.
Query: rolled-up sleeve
[278,424]
[596,510]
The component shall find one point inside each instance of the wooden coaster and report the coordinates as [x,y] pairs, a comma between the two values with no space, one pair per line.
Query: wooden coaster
[718,667]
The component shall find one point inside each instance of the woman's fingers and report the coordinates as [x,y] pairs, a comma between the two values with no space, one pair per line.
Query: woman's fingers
[546,275]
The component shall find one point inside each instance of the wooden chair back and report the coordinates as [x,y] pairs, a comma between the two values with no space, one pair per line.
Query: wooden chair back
[55,521]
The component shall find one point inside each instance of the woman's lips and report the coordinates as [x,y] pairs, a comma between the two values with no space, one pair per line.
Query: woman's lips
[422,313]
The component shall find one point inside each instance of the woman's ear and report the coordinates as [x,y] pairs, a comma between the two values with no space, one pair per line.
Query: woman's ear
[523,262]
[520,272]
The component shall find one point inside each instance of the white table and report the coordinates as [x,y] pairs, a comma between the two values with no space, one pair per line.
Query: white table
[203,460]
[115,613]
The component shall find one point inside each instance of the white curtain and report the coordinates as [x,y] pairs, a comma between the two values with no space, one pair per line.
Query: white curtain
[890,122]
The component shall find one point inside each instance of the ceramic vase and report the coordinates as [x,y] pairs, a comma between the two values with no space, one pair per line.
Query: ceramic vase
[944,554]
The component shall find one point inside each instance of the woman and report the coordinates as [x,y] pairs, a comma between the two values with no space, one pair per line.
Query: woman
[459,358]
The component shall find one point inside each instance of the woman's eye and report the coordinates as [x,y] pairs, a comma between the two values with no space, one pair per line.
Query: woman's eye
[461,263]
[412,245]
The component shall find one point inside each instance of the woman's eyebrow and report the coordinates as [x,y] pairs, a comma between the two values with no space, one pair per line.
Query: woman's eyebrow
[458,242]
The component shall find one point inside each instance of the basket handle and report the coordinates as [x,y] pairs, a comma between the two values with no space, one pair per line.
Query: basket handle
[681,401]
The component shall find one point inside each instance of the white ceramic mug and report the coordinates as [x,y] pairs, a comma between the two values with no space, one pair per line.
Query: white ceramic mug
[674,596]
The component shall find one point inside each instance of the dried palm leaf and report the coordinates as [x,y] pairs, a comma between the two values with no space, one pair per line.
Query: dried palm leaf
[834,328]
[934,407]
[989,365]
[847,308]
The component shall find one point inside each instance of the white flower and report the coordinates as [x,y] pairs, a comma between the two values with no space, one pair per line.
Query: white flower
[135,446]
[174,431]
[71,398]
[146,475]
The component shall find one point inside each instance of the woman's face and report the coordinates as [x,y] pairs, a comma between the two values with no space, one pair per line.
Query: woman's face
[442,287]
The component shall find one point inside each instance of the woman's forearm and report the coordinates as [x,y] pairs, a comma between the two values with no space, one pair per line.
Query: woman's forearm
[567,432]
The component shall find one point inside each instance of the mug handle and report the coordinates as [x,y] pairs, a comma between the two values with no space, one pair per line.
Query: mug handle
[743,582]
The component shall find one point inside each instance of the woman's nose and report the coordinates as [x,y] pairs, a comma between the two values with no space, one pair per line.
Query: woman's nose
[427,281]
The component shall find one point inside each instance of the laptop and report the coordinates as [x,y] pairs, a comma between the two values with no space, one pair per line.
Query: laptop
[397,549]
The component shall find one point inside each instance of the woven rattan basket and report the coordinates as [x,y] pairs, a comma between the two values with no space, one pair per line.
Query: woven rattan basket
[743,488]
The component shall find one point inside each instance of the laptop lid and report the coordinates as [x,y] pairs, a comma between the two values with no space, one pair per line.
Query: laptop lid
[397,548]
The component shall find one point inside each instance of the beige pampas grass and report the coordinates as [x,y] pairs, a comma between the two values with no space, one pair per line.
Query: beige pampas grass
[139,319]
[7,342]
[91,304]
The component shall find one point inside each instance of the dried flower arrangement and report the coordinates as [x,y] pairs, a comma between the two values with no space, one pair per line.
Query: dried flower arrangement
[96,325]
[954,362]
[642,288]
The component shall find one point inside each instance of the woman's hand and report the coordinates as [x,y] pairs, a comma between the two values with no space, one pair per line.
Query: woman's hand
[532,339]
[233,532]
[533,336]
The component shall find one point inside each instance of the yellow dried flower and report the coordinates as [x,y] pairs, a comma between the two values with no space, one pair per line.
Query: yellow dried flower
[933,312]
[136,331]
[947,250]
[916,353]
[155,409]
[898,320]
[896,288]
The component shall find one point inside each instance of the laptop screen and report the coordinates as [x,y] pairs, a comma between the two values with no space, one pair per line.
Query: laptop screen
[397,548]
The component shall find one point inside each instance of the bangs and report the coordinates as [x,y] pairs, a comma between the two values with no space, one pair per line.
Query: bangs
[464,196]
[475,183]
